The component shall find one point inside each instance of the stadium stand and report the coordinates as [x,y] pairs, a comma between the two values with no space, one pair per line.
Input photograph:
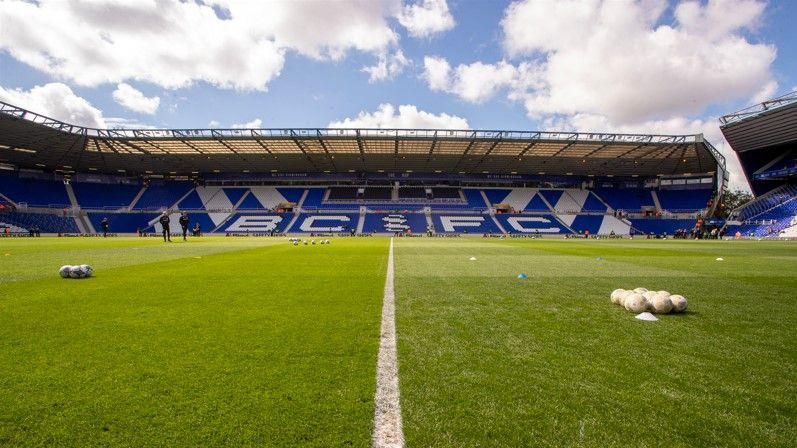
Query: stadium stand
[34,191]
[412,193]
[162,195]
[764,137]
[599,183]
[98,195]
[46,222]
[394,222]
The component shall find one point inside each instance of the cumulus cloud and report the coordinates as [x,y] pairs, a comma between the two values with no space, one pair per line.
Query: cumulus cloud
[388,66]
[426,18]
[226,43]
[133,99]
[254,124]
[406,117]
[476,82]
[617,59]
[56,100]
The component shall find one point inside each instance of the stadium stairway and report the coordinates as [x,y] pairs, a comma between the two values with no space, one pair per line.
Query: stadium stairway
[656,201]
[136,198]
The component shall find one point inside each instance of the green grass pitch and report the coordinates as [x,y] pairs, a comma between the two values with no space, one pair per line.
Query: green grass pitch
[255,342]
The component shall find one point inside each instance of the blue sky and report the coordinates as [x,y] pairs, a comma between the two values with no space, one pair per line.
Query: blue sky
[649,66]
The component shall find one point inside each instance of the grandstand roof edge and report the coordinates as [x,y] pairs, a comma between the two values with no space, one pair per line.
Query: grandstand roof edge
[303,133]
[756,110]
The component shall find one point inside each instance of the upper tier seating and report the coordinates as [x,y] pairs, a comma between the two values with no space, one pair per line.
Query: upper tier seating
[342,193]
[34,192]
[446,193]
[627,199]
[96,195]
[412,193]
[684,200]
[377,193]
[162,195]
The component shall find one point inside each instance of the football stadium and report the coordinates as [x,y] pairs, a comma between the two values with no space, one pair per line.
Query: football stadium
[473,268]
[176,271]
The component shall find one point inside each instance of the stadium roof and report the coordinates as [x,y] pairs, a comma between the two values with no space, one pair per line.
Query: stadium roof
[768,124]
[29,140]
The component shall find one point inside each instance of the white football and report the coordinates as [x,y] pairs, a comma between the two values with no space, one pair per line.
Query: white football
[625,296]
[64,271]
[636,303]
[76,272]
[678,303]
[87,270]
[664,293]
[295,243]
[616,296]
[640,290]
[661,304]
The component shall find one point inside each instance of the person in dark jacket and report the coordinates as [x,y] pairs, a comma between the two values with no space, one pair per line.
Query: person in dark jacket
[184,224]
[104,225]
[164,221]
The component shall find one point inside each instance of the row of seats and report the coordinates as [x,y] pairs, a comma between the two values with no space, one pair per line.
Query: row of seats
[163,195]
[754,209]
[772,221]
[386,222]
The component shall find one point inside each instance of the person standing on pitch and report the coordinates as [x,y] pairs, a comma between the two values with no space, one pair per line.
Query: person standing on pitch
[184,224]
[104,224]
[164,220]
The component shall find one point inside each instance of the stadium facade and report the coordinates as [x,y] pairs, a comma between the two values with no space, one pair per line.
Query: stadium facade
[65,178]
[764,137]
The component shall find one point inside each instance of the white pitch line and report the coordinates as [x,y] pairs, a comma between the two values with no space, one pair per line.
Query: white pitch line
[388,432]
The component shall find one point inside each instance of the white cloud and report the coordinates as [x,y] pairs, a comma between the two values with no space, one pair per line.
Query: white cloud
[214,124]
[436,71]
[56,100]
[254,124]
[476,82]
[133,99]
[426,18]
[387,67]
[617,60]
[173,44]
[407,117]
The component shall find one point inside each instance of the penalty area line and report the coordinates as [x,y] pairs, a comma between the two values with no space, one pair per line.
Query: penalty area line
[388,431]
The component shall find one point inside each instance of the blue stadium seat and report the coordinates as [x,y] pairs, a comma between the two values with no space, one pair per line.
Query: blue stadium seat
[325,223]
[460,223]
[161,195]
[394,222]
[96,195]
[531,224]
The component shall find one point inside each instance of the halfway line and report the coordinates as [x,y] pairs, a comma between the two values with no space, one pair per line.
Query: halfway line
[388,432]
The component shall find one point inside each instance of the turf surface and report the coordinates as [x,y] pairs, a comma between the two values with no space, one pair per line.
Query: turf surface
[253,341]
[207,343]
[490,360]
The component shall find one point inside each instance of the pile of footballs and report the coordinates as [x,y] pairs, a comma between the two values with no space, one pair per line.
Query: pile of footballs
[640,300]
[297,241]
[77,271]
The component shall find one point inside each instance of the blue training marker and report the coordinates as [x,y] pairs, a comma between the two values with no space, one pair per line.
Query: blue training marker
[522,276]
